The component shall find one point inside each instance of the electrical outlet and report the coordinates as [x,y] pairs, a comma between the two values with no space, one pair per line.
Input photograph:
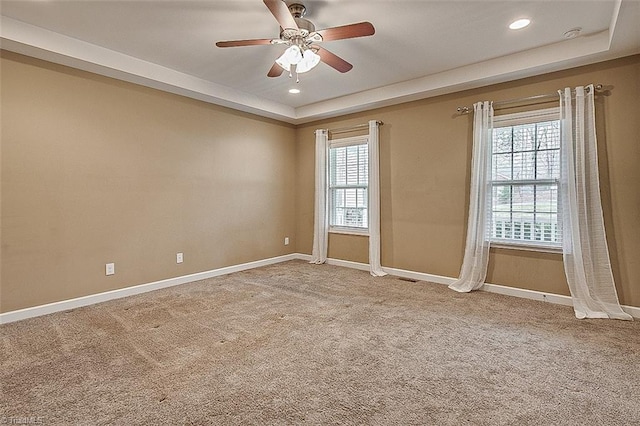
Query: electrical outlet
[286,241]
[110,268]
[179,258]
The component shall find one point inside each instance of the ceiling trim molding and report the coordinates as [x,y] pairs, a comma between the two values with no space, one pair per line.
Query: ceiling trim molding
[43,44]
[520,65]
[614,20]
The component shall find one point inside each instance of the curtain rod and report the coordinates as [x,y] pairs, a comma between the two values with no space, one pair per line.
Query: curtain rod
[352,128]
[530,99]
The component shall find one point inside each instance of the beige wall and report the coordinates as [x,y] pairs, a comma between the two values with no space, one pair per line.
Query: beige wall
[425,160]
[96,170]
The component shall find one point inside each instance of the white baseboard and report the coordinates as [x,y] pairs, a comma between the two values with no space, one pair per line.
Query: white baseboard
[143,288]
[540,296]
[491,288]
[78,302]
[557,299]
[419,276]
[337,262]
[349,264]
[634,311]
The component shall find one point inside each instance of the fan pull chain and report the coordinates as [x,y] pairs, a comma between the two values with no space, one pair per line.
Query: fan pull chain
[297,76]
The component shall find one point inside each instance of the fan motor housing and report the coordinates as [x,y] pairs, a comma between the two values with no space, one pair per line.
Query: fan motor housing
[297,10]
[305,27]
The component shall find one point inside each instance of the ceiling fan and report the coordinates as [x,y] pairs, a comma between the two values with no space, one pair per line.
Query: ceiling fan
[301,36]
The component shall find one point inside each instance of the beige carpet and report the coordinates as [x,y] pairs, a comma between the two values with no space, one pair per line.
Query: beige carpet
[295,343]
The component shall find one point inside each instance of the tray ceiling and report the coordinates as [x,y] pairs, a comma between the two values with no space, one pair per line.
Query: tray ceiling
[420,48]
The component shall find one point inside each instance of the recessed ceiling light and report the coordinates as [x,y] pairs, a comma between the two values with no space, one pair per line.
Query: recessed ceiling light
[294,91]
[520,23]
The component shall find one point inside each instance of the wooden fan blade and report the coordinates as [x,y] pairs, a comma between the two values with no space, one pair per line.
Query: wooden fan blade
[280,11]
[237,43]
[361,29]
[333,60]
[275,71]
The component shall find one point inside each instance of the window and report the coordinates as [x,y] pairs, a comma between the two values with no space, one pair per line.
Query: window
[349,185]
[525,174]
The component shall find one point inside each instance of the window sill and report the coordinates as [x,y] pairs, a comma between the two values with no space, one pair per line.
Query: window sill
[349,231]
[526,247]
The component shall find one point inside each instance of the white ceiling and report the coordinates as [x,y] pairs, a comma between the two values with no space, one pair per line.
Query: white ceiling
[420,48]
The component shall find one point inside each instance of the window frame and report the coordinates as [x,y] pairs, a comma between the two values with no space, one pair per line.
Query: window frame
[340,143]
[517,119]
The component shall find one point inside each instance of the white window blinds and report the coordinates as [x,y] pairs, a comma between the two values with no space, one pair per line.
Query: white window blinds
[525,175]
[348,183]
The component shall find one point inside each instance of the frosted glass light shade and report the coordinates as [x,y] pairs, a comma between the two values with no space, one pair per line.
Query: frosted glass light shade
[291,56]
[309,60]
[294,56]
[283,63]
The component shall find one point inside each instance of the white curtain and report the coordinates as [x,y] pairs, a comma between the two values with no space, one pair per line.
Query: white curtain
[374,200]
[585,252]
[476,253]
[320,217]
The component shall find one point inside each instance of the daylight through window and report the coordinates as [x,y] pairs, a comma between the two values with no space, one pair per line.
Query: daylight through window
[348,184]
[525,175]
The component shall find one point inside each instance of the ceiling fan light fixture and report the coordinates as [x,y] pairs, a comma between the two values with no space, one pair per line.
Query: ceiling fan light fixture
[309,60]
[283,63]
[303,61]
[291,56]
[300,35]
